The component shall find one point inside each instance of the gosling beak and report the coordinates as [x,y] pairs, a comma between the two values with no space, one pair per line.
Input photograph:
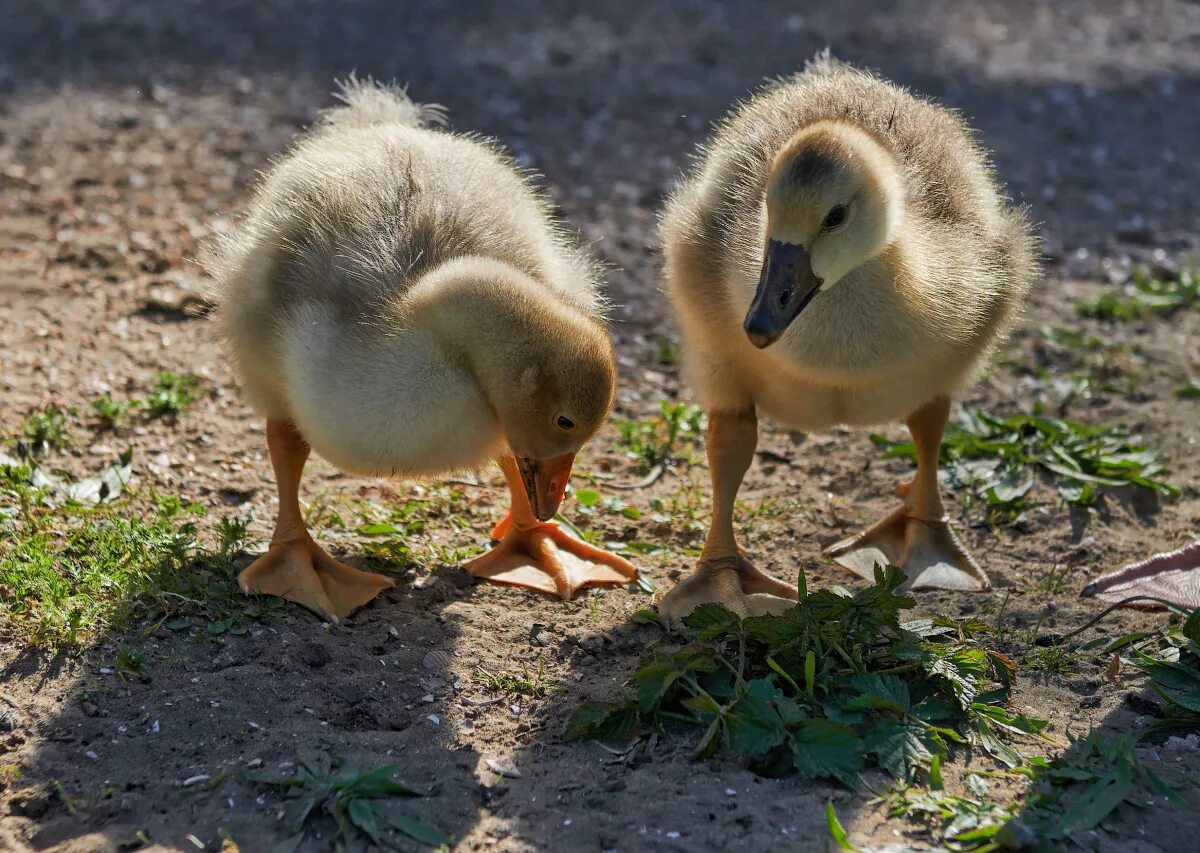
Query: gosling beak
[545,482]
[787,285]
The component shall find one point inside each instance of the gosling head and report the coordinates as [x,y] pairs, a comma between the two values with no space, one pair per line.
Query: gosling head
[834,202]
[560,398]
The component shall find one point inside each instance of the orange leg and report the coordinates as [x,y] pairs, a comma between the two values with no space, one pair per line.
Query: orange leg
[295,567]
[916,536]
[541,555]
[724,575]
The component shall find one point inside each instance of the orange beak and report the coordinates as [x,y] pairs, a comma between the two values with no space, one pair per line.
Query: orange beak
[546,482]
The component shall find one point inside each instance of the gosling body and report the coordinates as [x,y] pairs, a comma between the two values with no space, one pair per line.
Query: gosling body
[400,299]
[841,254]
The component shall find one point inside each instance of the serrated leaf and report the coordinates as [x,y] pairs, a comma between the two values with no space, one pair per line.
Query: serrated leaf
[826,748]
[879,693]
[900,746]
[709,621]
[752,725]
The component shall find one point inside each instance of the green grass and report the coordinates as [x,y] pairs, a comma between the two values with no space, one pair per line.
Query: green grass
[527,683]
[46,430]
[997,459]
[170,394]
[1145,296]
[1092,364]
[662,439]
[71,571]
[833,684]
[362,804]
[109,412]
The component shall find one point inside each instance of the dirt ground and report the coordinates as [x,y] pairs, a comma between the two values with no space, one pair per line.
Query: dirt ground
[128,130]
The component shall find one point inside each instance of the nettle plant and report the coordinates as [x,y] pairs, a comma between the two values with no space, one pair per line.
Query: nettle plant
[831,686]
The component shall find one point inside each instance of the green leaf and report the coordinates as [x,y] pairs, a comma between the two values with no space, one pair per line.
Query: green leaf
[379,783]
[998,750]
[1191,628]
[363,816]
[935,773]
[289,845]
[380,529]
[415,829]
[603,721]
[900,745]
[1098,802]
[824,748]
[753,726]
[879,693]
[836,831]
[587,497]
[709,621]
[298,811]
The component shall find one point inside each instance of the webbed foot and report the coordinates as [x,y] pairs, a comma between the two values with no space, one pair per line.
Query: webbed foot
[546,558]
[927,551]
[732,581]
[299,570]
[1174,576]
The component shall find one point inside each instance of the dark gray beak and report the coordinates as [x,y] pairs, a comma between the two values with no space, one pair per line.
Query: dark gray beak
[786,286]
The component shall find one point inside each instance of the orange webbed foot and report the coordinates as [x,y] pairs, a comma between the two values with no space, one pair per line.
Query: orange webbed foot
[548,559]
[299,570]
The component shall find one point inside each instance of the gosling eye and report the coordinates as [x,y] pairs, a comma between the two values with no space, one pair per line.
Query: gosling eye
[835,217]
[564,422]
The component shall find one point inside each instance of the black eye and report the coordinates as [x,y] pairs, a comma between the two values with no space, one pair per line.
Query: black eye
[835,217]
[565,423]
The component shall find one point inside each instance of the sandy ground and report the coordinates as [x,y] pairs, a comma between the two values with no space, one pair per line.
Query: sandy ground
[128,130]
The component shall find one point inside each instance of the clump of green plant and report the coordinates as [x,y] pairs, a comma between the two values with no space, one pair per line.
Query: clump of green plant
[170,394]
[824,687]
[69,573]
[110,413]
[1144,295]
[361,803]
[1190,390]
[1175,678]
[959,822]
[46,430]
[528,683]
[996,458]
[1078,791]
[659,440]
[130,661]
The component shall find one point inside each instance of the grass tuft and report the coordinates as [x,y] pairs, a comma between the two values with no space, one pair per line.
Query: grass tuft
[662,439]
